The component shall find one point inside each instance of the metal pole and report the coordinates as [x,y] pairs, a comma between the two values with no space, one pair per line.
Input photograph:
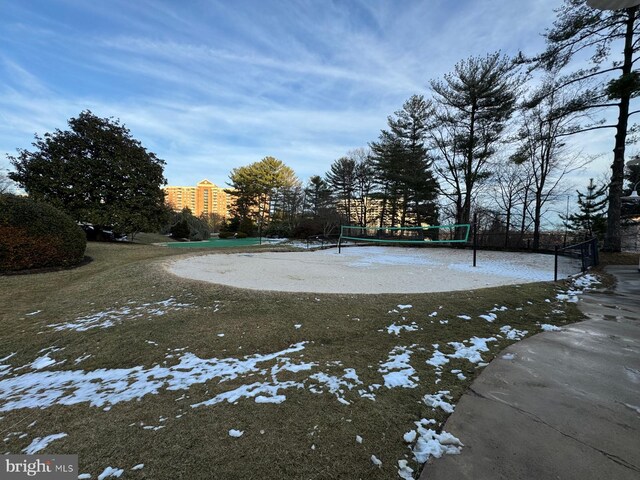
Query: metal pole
[555,265]
[475,237]
[566,224]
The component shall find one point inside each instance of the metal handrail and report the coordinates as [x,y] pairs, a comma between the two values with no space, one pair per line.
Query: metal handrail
[588,255]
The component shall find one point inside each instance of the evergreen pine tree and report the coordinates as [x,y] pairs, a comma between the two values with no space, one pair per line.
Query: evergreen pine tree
[591,219]
[403,167]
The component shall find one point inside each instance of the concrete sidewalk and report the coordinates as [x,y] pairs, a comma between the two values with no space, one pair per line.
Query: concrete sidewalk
[567,406]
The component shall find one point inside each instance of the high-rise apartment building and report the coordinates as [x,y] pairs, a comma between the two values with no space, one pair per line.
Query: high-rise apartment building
[205,197]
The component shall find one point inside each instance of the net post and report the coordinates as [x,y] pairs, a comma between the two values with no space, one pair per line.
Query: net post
[475,238]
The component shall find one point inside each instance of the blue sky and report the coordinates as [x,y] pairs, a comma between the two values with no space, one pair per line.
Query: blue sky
[212,85]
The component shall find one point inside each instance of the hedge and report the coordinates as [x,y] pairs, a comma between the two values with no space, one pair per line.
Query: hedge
[37,235]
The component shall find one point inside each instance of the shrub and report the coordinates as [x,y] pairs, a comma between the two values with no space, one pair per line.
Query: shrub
[37,235]
[247,226]
[277,230]
[241,235]
[185,225]
[180,230]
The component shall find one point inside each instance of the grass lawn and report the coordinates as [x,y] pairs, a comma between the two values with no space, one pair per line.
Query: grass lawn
[136,366]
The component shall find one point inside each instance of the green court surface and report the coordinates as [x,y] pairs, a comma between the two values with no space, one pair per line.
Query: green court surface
[217,243]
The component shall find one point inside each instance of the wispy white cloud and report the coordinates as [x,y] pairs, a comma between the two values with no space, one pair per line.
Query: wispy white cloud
[210,86]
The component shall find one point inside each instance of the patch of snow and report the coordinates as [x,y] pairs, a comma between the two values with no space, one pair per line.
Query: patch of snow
[567,298]
[284,364]
[115,316]
[506,269]
[397,372]
[396,329]
[334,384]
[512,333]
[464,317]
[436,401]
[260,392]
[438,359]
[103,387]
[33,313]
[140,466]
[410,436]
[365,394]
[82,358]
[376,461]
[39,444]
[358,439]
[7,357]
[549,328]
[43,362]
[297,326]
[489,317]
[84,476]
[404,470]
[405,307]
[111,472]
[508,356]
[432,444]
[235,433]
[472,352]
[153,427]
[586,281]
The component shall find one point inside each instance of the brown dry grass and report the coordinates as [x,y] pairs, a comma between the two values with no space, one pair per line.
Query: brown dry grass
[308,436]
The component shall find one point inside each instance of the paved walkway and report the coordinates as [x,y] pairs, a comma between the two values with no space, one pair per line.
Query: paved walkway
[567,406]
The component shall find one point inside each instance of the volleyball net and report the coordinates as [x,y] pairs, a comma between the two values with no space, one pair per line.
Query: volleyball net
[425,234]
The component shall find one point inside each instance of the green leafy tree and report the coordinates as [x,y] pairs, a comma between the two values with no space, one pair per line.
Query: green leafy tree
[608,81]
[590,219]
[97,173]
[258,190]
[473,105]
